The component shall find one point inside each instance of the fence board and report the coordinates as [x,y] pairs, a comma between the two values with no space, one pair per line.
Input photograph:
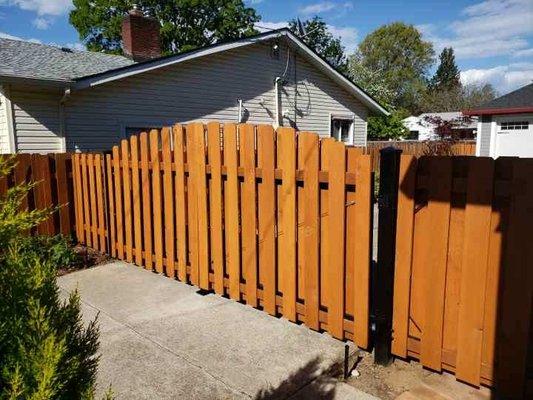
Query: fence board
[215,204]
[100,202]
[336,155]
[126,186]
[118,202]
[181,206]
[404,253]
[62,190]
[192,203]
[202,207]
[146,200]
[287,234]
[473,277]
[267,216]
[111,201]
[156,200]
[78,188]
[136,200]
[434,281]
[92,200]
[363,214]
[85,197]
[168,194]
[248,206]
[40,165]
[308,147]
[231,202]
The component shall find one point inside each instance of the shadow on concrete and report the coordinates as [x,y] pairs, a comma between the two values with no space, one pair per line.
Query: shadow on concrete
[305,383]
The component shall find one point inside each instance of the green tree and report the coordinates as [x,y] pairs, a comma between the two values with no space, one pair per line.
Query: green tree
[185,24]
[458,98]
[389,127]
[397,53]
[447,75]
[321,40]
[370,81]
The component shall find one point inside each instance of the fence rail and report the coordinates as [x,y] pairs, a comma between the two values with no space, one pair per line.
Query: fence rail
[280,220]
[52,175]
[416,148]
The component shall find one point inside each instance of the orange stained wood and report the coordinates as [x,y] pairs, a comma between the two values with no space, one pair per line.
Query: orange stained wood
[111,201]
[248,215]
[202,207]
[98,161]
[335,268]
[216,204]
[168,193]
[287,234]
[146,200]
[85,197]
[474,271]
[118,202]
[309,157]
[266,154]
[363,210]
[404,254]
[126,185]
[435,261]
[192,202]
[136,199]
[180,204]
[231,201]
[156,200]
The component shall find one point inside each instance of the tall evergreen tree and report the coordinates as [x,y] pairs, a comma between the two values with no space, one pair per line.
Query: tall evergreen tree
[447,75]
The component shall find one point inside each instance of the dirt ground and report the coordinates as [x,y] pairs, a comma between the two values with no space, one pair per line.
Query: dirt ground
[409,380]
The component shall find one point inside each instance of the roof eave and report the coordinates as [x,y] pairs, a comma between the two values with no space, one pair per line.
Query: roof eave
[51,83]
[499,111]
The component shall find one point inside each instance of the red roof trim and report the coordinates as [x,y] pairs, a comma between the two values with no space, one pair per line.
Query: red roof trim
[493,111]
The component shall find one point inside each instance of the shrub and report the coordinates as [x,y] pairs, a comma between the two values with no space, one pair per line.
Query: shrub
[46,352]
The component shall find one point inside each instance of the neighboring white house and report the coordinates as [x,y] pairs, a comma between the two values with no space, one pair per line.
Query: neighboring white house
[423,127]
[56,99]
[506,125]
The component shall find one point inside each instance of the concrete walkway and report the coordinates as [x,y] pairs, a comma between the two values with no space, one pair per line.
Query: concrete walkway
[161,339]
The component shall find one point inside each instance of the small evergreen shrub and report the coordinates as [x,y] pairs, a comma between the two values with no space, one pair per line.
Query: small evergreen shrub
[46,352]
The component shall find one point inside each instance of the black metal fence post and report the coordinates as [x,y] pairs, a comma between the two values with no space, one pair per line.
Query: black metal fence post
[384,273]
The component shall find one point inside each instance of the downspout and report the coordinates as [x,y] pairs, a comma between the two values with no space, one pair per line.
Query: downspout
[62,125]
[8,108]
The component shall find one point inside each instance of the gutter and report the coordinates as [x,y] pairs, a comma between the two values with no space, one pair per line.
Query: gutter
[494,111]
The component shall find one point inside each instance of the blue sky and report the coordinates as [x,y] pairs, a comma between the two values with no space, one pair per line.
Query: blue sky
[493,39]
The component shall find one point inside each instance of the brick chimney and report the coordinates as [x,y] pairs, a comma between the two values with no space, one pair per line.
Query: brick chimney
[140,36]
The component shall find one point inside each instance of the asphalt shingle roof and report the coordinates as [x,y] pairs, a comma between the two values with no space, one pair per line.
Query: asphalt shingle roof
[522,97]
[38,61]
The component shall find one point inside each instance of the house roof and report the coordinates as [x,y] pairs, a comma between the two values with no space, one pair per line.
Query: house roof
[83,69]
[161,62]
[21,59]
[519,101]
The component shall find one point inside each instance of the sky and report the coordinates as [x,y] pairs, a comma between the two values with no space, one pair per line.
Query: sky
[492,39]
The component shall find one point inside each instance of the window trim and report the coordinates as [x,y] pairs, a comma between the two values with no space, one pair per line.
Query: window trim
[346,117]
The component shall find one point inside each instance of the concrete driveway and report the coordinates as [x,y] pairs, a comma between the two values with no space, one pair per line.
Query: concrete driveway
[161,339]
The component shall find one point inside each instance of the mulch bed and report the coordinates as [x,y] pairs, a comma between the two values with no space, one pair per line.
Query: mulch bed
[87,258]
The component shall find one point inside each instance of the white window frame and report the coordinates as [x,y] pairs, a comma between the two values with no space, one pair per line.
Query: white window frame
[346,117]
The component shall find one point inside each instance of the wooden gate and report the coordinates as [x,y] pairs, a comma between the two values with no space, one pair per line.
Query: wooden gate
[464,267]
[279,220]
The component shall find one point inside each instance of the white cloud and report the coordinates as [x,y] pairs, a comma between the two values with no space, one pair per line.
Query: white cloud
[523,53]
[5,35]
[42,23]
[348,37]
[41,7]
[504,78]
[324,6]
[489,28]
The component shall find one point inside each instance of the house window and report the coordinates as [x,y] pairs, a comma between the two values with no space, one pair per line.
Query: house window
[342,129]
[514,125]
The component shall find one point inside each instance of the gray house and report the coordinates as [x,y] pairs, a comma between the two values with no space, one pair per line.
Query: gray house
[56,99]
[505,126]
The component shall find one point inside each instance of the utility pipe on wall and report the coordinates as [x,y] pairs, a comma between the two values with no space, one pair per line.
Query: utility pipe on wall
[277,120]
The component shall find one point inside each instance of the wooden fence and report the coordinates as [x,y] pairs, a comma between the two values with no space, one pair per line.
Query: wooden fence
[415,148]
[52,174]
[464,268]
[279,220]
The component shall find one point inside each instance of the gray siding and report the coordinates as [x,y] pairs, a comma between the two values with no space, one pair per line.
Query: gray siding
[4,138]
[484,135]
[206,89]
[36,120]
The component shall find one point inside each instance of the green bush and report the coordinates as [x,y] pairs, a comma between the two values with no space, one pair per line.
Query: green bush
[46,352]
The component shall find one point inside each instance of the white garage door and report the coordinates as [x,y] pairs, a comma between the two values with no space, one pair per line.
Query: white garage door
[514,136]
